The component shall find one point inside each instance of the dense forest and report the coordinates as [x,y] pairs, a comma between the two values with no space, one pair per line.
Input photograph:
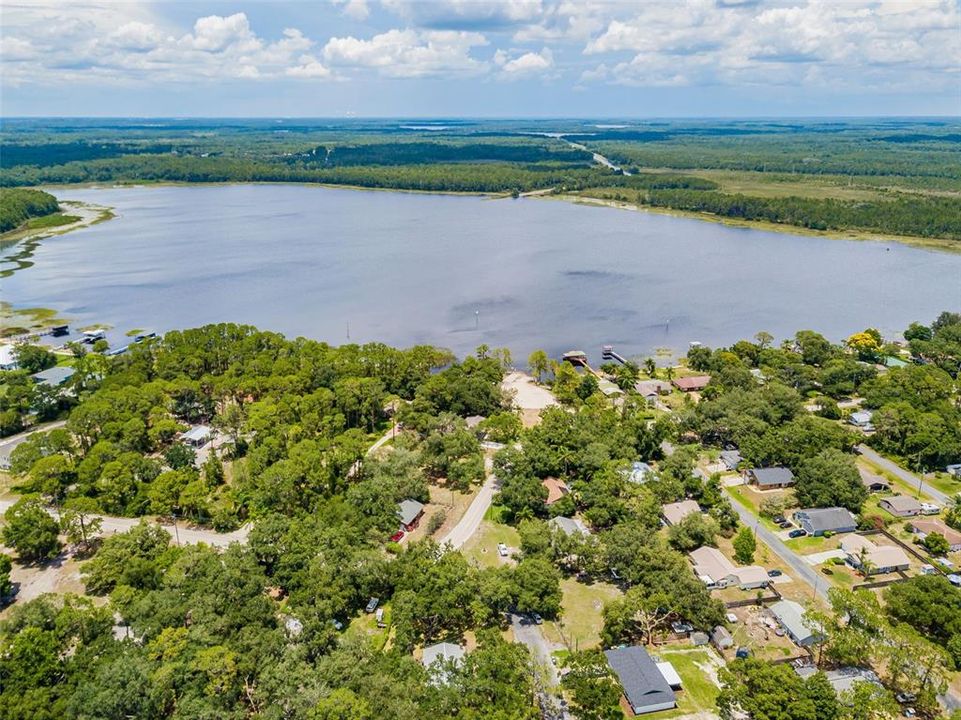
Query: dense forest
[887,176]
[19,205]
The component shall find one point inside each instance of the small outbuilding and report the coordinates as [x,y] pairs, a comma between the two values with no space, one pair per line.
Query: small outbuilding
[901,505]
[954,470]
[861,419]
[410,513]
[639,473]
[731,459]
[872,482]
[721,638]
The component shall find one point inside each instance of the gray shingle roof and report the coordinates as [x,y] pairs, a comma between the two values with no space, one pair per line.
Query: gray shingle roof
[642,682]
[773,476]
[822,519]
[54,376]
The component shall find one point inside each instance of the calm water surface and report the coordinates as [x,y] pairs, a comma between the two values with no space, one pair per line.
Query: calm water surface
[461,271]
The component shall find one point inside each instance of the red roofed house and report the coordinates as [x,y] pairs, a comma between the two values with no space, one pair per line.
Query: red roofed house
[692,383]
[556,489]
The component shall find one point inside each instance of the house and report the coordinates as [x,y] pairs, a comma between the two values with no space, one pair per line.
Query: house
[880,559]
[410,512]
[440,659]
[861,419]
[769,478]
[198,435]
[8,358]
[569,526]
[652,388]
[817,521]
[873,483]
[901,506]
[556,489]
[731,459]
[721,638]
[923,528]
[673,513]
[644,687]
[843,679]
[752,577]
[712,567]
[639,473]
[790,616]
[954,470]
[54,377]
[716,571]
[692,383]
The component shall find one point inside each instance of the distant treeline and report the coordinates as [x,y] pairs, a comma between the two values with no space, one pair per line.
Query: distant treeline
[47,154]
[415,153]
[19,205]
[902,214]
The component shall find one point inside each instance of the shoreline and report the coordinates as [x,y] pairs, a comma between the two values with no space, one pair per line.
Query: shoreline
[28,240]
[935,244]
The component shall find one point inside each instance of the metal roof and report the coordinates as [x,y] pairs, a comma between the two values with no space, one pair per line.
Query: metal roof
[642,682]
[409,510]
[791,616]
[54,376]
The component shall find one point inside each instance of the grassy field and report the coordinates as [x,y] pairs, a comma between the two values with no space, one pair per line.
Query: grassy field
[482,547]
[581,620]
[698,671]
[49,221]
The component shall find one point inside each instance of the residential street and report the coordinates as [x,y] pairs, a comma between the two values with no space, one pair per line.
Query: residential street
[909,477]
[525,631]
[181,534]
[800,569]
[8,444]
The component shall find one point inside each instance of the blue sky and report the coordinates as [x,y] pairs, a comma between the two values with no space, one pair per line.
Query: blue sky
[339,58]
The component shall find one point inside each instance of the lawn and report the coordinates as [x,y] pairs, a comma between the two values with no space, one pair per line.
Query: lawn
[365,625]
[751,499]
[482,547]
[581,621]
[944,482]
[698,671]
[809,545]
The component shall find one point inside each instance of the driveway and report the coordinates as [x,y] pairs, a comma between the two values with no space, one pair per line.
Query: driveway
[468,524]
[819,558]
[526,632]
[8,444]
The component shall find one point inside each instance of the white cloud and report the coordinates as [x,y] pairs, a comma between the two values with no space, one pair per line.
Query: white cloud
[527,64]
[87,43]
[409,53]
[475,15]
[354,9]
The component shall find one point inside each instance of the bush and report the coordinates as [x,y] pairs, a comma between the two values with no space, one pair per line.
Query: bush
[436,521]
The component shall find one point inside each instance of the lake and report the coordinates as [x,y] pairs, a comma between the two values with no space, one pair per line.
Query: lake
[346,265]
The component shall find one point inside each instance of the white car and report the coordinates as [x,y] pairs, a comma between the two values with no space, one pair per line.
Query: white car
[731,618]
[502,549]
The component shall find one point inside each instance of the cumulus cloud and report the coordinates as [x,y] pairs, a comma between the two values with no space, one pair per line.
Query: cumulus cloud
[409,53]
[354,9]
[529,63]
[91,44]
[862,41]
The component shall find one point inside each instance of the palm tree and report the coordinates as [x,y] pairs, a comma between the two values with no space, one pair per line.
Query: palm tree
[669,373]
[650,367]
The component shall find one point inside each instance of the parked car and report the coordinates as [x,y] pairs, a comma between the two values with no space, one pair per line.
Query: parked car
[774,573]
[372,605]
[502,549]
[742,653]
[905,698]
[954,579]
[731,617]
[780,519]
[538,620]
[380,618]
[800,532]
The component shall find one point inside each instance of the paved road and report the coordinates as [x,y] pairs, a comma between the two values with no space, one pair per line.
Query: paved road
[525,631]
[799,567]
[181,533]
[909,477]
[468,524]
[8,444]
